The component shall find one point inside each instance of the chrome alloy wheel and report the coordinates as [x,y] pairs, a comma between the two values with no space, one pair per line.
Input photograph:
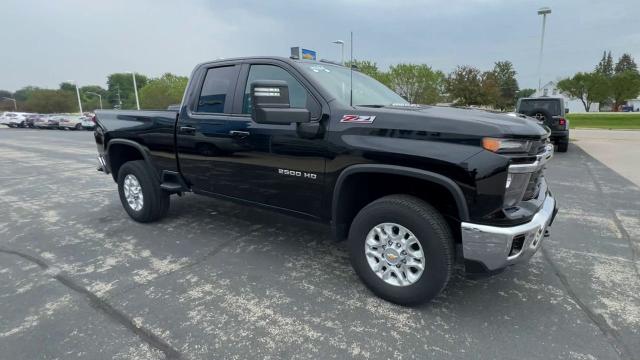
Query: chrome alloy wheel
[133,192]
[394,254]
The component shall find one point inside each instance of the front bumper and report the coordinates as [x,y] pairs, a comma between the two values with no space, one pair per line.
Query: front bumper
[498,247]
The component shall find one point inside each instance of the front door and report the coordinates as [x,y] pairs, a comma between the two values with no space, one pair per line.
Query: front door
[266,164]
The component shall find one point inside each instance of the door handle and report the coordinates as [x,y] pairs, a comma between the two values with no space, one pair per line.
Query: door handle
[239,134]
[187,129]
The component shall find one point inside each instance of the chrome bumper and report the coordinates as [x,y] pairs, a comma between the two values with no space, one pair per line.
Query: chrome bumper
[498,247]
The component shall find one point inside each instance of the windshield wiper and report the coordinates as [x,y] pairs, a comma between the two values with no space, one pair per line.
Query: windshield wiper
[372,105]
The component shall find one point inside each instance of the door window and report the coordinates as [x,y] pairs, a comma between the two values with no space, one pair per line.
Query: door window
[218,83]
[297,92]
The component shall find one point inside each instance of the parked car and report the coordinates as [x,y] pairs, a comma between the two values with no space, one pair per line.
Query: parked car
[31,119]
[89,123]
[70,122]
[15,119]
[551,111]
[405,185]
[47,122]
[3,118]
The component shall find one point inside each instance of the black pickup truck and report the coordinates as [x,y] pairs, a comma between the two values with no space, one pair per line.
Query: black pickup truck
[406,185]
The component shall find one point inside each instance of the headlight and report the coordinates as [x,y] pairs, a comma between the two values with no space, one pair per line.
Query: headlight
[498,145]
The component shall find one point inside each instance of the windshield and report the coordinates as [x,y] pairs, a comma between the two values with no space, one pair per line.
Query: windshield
[337,80]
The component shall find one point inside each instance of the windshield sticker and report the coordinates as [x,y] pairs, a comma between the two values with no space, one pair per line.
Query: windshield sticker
[358,119]
[318,68]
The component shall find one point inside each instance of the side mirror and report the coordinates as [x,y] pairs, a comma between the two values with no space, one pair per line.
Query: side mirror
[566,110]
[270,100]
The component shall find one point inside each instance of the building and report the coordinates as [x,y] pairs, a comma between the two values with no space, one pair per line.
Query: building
[573,104]
[635,103]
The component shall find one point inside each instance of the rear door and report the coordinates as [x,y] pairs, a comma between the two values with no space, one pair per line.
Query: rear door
[203,127]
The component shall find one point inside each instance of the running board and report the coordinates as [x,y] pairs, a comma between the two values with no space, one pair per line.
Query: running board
[172,182]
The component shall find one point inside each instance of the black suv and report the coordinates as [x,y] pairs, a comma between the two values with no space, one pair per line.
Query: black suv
[551,112]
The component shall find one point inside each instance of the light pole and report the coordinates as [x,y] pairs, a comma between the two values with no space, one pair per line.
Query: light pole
[544,11]
[15,104]
[341,43]
[98,95]
[135,89]
[78,94]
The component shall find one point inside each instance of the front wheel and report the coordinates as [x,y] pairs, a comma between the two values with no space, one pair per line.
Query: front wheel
[402,249]
[78,127]
[140,193]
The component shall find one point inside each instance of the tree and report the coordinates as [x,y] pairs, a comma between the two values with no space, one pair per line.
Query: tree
[6,105]
[90,101]
[418,84]
[523,93]
[122,83]
[24,93]
[51,101]
[163,91]
[624,86]
[370,68]
[605,66]
[588,87]
[626,63]
[490,89]
[67,86]
[465,86]
[505,76]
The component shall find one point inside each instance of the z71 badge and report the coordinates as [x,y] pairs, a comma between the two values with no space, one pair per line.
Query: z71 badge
[358,119]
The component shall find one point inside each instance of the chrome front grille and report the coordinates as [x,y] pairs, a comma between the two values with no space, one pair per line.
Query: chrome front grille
[527,177]
[533,186]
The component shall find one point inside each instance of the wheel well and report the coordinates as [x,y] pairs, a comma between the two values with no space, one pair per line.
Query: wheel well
[120,154]
[360,189]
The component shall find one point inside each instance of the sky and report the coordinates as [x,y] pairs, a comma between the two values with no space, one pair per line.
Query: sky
[47,42]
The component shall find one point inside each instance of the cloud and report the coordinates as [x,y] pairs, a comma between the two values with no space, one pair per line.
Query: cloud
[47,42]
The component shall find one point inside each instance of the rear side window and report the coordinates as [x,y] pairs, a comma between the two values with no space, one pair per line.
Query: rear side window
[297,92]
[218,85]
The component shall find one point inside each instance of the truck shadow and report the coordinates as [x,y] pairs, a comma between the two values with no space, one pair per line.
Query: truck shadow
[280,238]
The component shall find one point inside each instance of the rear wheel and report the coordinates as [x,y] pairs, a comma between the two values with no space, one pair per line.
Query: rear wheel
[78,126]
[140,193]
[402,249]
[563,145]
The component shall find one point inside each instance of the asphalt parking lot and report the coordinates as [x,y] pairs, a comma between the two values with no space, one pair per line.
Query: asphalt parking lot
[80,279]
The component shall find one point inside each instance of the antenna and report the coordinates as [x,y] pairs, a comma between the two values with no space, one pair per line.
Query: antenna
[351,74]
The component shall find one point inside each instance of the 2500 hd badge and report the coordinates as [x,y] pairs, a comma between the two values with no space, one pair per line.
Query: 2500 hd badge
[406,186]
[297,173]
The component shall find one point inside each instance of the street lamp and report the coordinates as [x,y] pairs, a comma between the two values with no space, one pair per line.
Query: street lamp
[15,104]
[98,95]
[78,94]
[544,11]
[135,88]
[341,43]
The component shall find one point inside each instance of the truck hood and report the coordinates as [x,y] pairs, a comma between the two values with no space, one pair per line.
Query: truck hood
[461,121]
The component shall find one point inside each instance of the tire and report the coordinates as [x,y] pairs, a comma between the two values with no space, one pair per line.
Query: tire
[155,201]
[563,145]
[433,236]
[23,124]
[78,126]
